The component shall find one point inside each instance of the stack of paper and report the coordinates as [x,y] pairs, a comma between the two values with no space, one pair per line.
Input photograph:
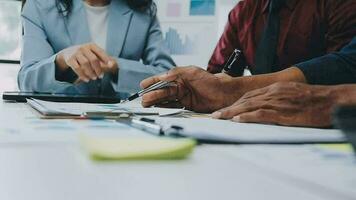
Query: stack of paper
[55,109]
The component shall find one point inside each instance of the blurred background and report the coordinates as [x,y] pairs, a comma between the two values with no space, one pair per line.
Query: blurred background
[10,43]
[191,29]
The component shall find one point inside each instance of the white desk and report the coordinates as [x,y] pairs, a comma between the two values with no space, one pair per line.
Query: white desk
[48,164]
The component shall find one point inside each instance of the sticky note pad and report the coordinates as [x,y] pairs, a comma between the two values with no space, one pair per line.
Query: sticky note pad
[108,148]
[345,148]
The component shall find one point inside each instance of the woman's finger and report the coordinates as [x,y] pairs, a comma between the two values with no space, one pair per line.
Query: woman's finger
[74,64]
[85,66]
[100,53]
[94,62]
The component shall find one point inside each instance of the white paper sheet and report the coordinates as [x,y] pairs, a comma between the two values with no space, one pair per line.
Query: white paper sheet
[251,133]
[80,108]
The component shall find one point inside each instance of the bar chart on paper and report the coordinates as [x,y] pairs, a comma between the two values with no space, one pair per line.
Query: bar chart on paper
[189,42]
[178,44]
[188,29]
[186,37]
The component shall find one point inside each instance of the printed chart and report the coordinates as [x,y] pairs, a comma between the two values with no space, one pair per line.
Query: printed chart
[189,30]
[202,7]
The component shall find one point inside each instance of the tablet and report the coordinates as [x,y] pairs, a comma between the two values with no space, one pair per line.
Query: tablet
[22,96]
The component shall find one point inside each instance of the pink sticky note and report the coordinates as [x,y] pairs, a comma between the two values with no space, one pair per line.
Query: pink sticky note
[173,9]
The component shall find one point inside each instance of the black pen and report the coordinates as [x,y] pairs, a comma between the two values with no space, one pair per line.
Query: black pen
[228,67]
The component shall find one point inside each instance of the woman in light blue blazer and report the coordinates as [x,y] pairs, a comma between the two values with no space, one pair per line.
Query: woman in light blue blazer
[97,47]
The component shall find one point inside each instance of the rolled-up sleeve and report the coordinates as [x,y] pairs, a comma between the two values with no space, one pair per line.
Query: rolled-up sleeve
[331,69]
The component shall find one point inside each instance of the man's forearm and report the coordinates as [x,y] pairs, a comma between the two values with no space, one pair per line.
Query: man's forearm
[240,85]
[343,94]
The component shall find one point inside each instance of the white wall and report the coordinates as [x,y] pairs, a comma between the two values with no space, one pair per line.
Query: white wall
[224,7]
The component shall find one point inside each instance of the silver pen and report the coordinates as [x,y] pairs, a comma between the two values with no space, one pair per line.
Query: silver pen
[151,126]
[156,86]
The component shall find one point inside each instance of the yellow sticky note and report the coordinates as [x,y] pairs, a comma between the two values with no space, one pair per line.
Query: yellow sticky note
[346,148]
[108,148]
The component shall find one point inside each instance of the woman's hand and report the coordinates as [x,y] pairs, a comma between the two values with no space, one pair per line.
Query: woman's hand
[88,61]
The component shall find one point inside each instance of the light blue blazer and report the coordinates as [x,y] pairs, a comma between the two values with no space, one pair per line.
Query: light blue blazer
[134,38]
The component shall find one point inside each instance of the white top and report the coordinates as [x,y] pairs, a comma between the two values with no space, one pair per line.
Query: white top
[98,23]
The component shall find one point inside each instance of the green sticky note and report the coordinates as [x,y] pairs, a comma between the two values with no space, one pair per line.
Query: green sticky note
[108,148]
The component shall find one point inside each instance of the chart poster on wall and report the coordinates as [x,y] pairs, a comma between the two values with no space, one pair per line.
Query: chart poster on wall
[189,30]
[202,7]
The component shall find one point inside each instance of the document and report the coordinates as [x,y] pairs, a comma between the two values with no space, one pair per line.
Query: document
[226,131]
[77,109]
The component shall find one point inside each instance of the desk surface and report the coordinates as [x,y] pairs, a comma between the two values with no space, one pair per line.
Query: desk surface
[41,159]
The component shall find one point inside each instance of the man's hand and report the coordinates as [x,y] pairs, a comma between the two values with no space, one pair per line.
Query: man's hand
[284,103]
[88,61]
[195,89]
[200,91]
[224,77]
